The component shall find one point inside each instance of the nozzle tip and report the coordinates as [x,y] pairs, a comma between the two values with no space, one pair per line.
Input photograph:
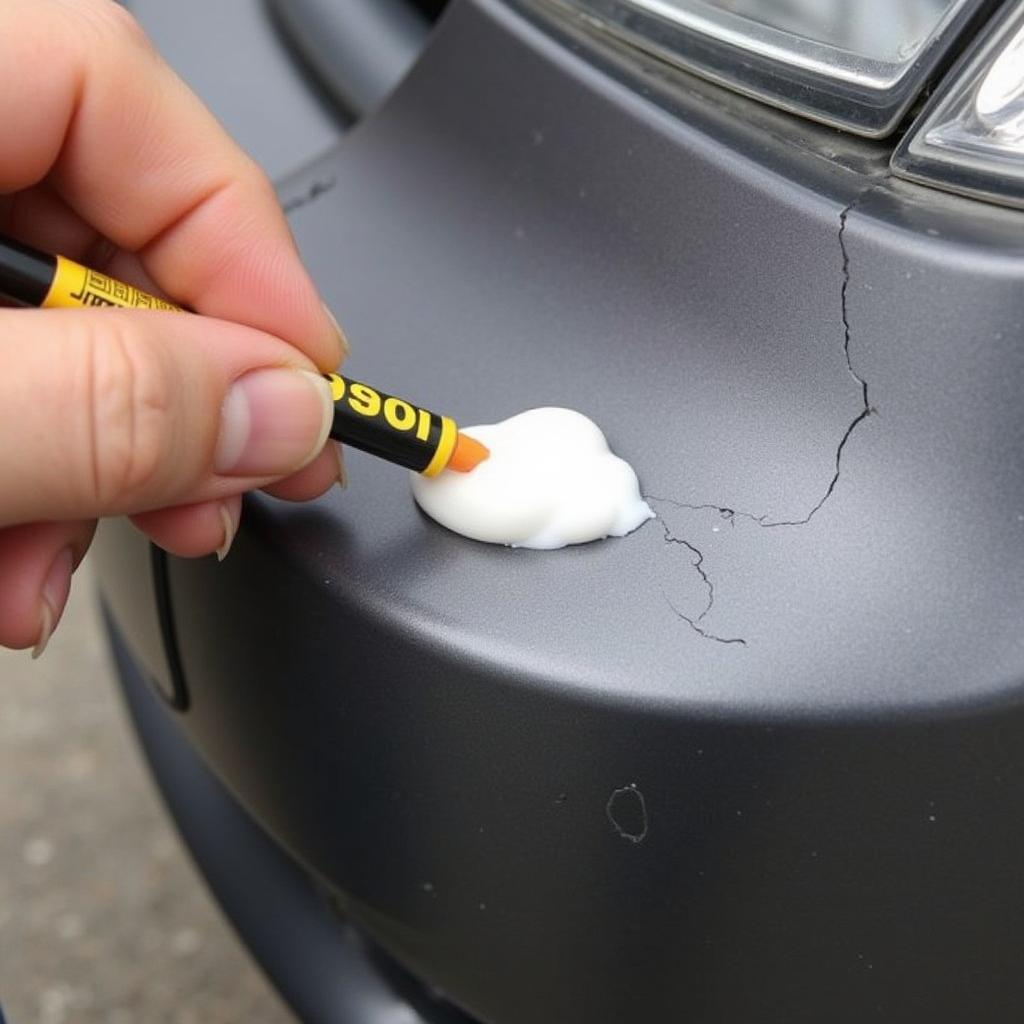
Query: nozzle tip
[468,454]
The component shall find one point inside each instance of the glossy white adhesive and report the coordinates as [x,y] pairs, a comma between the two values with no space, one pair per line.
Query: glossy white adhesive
[551,480]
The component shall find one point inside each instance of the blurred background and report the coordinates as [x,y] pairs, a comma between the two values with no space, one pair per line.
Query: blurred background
[103,919]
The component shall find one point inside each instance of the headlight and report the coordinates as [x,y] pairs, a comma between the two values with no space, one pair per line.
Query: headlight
[856,64]
[970,138]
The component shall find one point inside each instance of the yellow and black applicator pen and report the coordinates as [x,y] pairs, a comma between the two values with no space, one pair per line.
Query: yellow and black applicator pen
[383,425]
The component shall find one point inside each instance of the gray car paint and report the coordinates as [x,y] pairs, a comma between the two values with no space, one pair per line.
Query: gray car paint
[231,55]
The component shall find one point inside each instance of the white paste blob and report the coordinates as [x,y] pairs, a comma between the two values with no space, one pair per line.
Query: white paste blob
[550,480]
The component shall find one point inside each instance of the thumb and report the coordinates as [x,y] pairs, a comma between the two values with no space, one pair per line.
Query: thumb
[109,412]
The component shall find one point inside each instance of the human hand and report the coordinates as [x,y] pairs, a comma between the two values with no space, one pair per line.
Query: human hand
[107,158]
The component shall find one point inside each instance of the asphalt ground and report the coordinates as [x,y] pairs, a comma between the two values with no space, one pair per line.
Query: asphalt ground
[103,918]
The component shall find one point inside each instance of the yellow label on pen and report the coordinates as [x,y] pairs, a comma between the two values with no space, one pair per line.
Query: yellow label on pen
[75,286]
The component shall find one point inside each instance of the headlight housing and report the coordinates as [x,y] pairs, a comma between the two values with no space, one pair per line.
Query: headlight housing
[855,64]
[970,138]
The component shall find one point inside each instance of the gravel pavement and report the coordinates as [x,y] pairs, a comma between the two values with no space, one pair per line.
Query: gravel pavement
[103,919]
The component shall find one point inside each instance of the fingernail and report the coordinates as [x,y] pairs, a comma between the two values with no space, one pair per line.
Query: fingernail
[52,598]
[339,454]
[230,529]
[273,422]
[342,340]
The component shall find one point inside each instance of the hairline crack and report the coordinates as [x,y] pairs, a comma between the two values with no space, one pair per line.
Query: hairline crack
[762,520]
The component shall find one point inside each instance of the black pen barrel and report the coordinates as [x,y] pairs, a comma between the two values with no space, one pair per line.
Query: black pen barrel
[25,273]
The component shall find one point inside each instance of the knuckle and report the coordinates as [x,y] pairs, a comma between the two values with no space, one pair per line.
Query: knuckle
[111,22]
[261,184]
[125,25]
[248,195]
[129,430]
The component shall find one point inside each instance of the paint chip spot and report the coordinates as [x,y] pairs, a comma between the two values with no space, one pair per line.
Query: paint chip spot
[627,811]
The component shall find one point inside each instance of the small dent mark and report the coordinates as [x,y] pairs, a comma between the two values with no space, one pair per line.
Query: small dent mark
[627,812]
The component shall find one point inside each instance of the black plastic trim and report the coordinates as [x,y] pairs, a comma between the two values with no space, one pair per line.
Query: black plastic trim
[173,689]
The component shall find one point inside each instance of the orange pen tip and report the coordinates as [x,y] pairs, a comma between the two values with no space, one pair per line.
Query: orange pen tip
[468,454]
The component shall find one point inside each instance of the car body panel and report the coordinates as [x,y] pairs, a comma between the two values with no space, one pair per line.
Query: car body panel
[764,756]
[231,55]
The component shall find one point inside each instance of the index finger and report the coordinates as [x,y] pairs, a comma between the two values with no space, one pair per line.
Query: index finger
[89,105]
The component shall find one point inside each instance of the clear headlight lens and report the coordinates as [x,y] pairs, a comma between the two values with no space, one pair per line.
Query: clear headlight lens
[856,64]
[970,138]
